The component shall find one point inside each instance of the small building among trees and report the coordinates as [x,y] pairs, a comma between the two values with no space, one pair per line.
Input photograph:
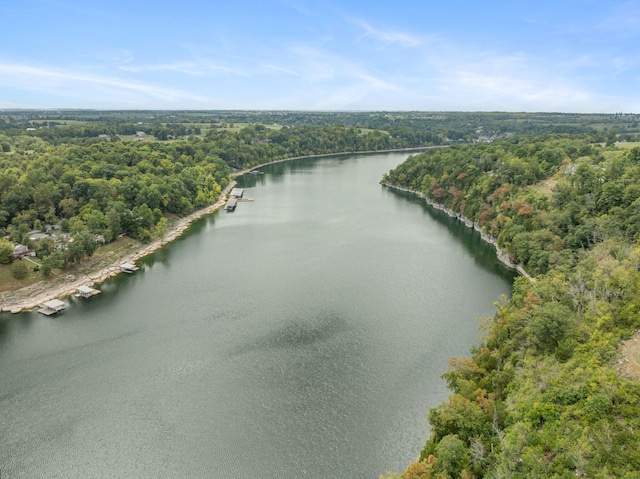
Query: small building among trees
[22,251]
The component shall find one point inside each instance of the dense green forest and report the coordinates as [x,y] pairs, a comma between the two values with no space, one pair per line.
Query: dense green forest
[543,395]
[67,189]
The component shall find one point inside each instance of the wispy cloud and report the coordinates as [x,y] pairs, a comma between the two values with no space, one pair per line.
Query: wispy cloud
[325,56]
[510,82]
[297,6]
[195,68]
[280,69]
[333,81]
[388,37]
[66,82]
[624,20]
[187,68]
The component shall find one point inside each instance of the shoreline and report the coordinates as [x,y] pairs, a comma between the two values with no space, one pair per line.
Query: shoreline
[70,287]
[14,301]
[321,155]
[502,255]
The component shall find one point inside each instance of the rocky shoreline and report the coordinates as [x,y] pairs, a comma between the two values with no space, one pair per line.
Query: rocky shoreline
[503,257]
[31,297]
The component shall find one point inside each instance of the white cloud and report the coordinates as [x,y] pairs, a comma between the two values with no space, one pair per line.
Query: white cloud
[76,83]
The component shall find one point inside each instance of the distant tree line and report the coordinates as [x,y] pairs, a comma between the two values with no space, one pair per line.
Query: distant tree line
[456,126]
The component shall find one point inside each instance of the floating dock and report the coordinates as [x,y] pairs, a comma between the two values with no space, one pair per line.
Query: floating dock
[128,268]
[231,204]
[86,292]
[52,307]
[236,193]
[235,197]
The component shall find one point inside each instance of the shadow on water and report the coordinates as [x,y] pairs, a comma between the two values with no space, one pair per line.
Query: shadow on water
[297,334]
[483,253]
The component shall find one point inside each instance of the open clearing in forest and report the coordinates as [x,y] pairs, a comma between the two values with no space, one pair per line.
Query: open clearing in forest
[546,186]
[629,365]
[627,145]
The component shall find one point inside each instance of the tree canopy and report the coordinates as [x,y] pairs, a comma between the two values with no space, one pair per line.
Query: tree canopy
[542,396]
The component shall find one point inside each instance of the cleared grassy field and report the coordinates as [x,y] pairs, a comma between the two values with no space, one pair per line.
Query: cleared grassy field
[141,139]
[103,256]
[628,145]
[8,282]
[239,126]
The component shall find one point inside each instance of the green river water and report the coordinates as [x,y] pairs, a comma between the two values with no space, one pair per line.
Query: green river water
[302,335]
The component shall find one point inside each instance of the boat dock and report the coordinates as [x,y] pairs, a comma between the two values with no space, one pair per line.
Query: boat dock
[128,268]
[231,204]
[86,292]
[52,307]
[235,197]
[236,193]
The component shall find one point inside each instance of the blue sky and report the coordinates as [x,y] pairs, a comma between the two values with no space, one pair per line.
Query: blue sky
[567,56]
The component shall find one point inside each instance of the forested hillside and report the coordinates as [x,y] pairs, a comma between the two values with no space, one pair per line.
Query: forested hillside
[546,393]
[65,190]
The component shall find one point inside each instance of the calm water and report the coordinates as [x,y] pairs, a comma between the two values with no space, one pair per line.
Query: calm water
[303,335]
